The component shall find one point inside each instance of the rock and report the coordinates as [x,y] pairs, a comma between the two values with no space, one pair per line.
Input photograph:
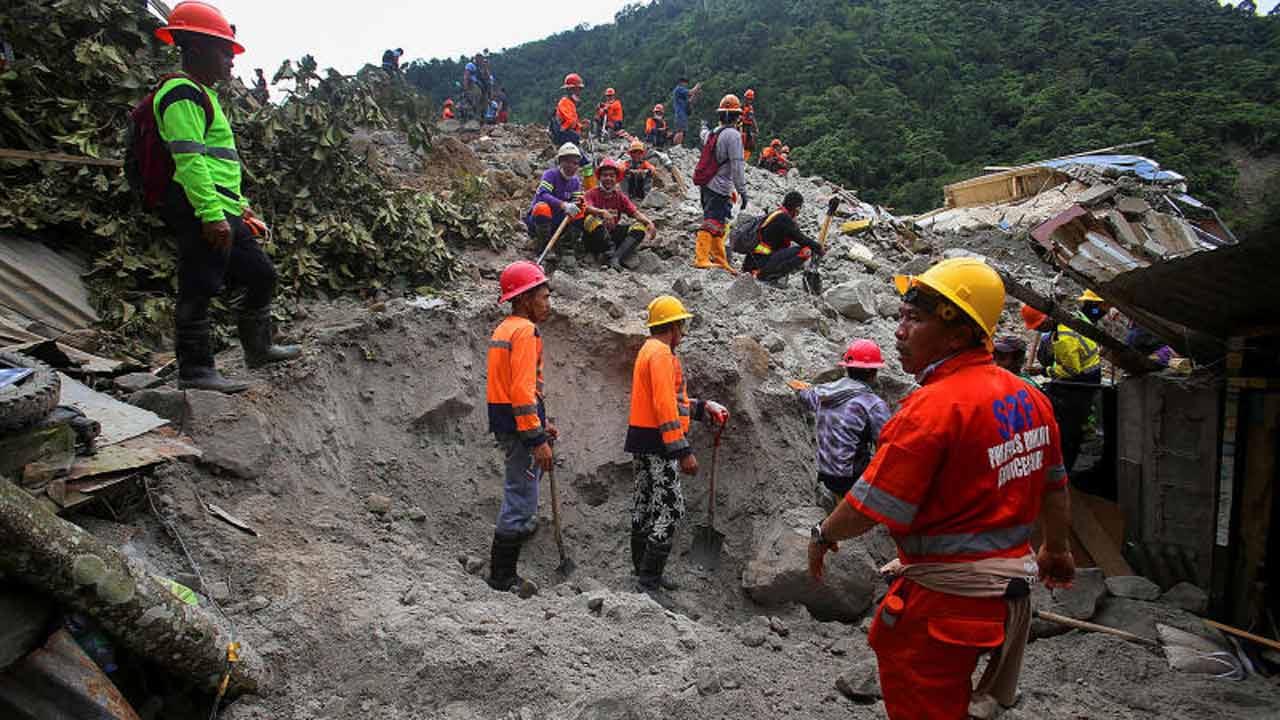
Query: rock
[685,286]
[1186,596]
[472,564]
[168,404]
[258,602]
[743,290]
[751,635]
[1134,587]
[1140,617]
[953,253]
[916,265]
[861,683]
[137,381]
[855,300]
[773,342]
[779,627]
[445,413]
[415,513]
[230,431]
[595,601]
[520,166]
[1080,601]
[656,199]
[26,616]
[378,504]
[777,572]
[708,683]
[569,288]
[645,261]
[801,316]
[888,306]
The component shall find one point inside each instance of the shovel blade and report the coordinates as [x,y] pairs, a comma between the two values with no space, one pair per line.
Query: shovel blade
[813,282]
[566,566]
[707,543]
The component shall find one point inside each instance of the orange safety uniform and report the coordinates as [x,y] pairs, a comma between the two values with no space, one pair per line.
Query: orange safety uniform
[613,111]
[958,475]
[567,114]
[660,404]
[515,392]
[447,114]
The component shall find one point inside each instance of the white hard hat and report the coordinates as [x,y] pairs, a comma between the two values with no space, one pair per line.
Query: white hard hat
[568,149]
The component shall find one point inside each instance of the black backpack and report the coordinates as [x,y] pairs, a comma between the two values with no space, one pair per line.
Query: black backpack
[745,235]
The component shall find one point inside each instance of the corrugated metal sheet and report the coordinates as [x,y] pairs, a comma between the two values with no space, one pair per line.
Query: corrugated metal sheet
[38,284]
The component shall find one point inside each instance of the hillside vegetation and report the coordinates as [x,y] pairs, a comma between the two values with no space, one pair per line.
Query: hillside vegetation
[898,97]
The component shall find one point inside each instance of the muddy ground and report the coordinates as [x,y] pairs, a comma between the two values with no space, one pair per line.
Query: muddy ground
[367,471]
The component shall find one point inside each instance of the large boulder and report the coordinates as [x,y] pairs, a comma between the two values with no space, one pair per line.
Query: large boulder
[855,300]
[230,431]
[1080,601]
[777,573]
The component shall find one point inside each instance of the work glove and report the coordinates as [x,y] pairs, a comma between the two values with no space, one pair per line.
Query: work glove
[716,412]
[743,206]
[570,209]
[255,225]
[798,385]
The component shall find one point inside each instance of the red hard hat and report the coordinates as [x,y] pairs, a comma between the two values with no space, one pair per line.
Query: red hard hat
[608,164]
[751,94]
[609,91]
[520,277]
[1032,317]
[658,108]
[200,18]
[572,80]
[862,354]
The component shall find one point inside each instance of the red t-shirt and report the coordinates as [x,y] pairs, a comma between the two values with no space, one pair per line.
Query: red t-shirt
[960,469]
[616,202]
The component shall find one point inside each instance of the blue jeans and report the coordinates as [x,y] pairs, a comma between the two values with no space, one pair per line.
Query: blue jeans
[520,482]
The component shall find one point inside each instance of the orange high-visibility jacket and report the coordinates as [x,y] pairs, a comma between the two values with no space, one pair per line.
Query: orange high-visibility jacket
[660,405]
[567,114]
[653,124]
[514,390]
[614,111]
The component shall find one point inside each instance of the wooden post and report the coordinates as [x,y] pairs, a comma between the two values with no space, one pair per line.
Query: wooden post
[68,564]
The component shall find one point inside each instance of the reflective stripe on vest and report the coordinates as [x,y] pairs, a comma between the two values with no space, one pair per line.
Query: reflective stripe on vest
[877,500]
[966,543]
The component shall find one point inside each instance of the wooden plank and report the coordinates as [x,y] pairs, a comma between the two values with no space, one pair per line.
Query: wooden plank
[8,154]
[1104,551]
[1274,645]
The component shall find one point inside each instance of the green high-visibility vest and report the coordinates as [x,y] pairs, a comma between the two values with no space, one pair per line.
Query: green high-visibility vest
[206,164]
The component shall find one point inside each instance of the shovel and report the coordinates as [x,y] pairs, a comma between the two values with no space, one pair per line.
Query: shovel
[707,541]
[554,238]
[812,280]
[567,565]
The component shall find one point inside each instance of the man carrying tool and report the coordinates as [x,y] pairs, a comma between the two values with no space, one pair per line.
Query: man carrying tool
[518,418]
[655,128]
[783,247]
[218,234]
[849,418]
[749,125]
[962,473]
[559,196]
[639,172]
[605,233]
[657,438]
[1074,367]
[720,172]
[612,120]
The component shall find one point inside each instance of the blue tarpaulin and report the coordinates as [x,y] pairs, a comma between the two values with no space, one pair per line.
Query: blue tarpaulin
[9,376]
[1136,165]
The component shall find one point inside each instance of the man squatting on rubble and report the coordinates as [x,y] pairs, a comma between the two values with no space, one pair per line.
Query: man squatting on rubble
[217,232]
[559,195]
[605,233]
[849,418]
[657,438]
[783,247]
[962,472]
[518,418]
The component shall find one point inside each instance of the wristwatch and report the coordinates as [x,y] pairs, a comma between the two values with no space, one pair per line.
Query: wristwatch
[816,536]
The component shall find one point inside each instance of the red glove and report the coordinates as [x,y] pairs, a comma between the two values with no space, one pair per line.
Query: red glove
[718,413]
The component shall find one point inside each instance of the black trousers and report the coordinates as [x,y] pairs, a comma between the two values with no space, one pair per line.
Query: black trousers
[1072,404]
[601,241]
[203,272]
[779,263]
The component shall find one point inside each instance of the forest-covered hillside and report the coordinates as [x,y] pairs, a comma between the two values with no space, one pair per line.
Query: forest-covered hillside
[898,97]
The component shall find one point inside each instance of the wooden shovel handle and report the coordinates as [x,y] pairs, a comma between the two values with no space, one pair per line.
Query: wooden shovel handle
[554,238]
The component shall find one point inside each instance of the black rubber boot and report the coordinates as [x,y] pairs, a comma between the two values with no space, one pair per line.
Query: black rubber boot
[650,577]
[503,558]
[257,339]
[638,542]
[194,347]
[624,250]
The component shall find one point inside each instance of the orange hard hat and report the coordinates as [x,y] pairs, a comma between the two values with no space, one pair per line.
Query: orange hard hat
[609,92]
[448,102]
[776,143]
[862,354]
[520,277]
[572,80]
[1032,317]
[751,94]
[202,19]
[658,108]
[730,103]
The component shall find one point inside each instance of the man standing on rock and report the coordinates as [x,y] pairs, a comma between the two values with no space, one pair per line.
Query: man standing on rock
[606,233]
[217,232]
[962,473]
[681,104]
[518,418]
[849,418]
[657,438]
[721,154]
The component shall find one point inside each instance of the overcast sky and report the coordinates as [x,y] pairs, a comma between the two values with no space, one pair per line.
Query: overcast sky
[345,35]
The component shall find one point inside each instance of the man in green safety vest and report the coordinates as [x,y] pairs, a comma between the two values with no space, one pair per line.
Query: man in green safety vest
[217,233]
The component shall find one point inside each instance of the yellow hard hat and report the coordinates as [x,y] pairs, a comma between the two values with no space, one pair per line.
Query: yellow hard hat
[666,309]
[1089,296]
[969,283]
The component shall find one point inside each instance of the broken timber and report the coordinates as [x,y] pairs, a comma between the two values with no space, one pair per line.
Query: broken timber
[70,565]
[1127,358]
[7,154]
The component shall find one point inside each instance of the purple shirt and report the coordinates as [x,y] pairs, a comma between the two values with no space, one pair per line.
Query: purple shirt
[849,414]
[555,189]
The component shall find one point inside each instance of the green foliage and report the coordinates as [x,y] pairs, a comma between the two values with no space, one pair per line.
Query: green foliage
[897,97]
[336,225]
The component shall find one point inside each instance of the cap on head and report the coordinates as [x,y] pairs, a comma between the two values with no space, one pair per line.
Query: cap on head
[751,94]
[966,284]
[518,278]
[863,354]
[609,92]
[666,309]
[1010,344]
[200,19]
